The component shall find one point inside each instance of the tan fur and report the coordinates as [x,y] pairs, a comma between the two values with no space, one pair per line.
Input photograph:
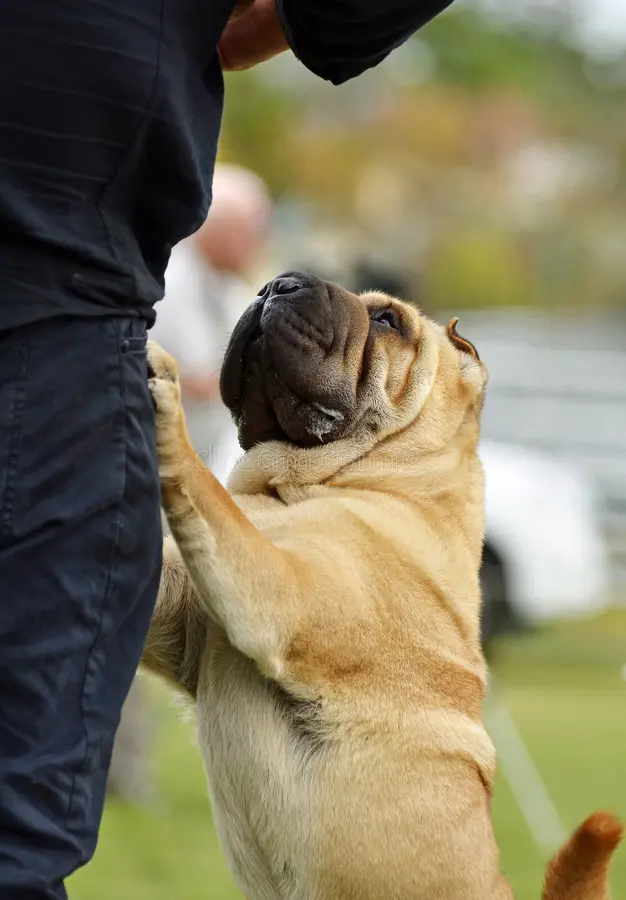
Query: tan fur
[329,632]
[580,869]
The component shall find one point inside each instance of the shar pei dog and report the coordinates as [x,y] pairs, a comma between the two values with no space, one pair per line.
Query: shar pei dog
[323,612]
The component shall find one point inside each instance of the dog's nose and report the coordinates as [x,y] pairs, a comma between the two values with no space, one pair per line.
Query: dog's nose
[291,282]
[286,284]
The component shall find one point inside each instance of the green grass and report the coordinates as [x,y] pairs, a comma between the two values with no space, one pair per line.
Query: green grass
[564,688]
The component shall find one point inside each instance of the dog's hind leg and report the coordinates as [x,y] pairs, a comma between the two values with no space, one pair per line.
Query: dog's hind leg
[178,628]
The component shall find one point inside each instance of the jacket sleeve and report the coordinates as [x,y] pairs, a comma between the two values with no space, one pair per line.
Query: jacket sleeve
[340,39]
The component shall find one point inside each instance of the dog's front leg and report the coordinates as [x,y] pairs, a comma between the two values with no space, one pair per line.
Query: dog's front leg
[247,584]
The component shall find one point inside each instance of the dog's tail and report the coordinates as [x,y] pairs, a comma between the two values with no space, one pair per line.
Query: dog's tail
[580,869]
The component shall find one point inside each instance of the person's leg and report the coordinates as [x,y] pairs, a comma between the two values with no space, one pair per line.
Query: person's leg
[80,555]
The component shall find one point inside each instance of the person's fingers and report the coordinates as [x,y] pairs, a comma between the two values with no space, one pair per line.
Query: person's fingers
[252,37]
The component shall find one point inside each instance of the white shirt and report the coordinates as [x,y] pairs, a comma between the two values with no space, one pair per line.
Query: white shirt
[194,322]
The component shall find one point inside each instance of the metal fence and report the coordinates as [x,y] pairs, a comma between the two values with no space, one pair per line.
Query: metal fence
[559,384]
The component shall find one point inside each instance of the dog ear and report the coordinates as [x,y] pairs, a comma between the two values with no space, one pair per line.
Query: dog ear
[473,372]
[461,343]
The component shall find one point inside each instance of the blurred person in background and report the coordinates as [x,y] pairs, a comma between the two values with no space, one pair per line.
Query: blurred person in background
[110,116]
[206,291]
[207,287]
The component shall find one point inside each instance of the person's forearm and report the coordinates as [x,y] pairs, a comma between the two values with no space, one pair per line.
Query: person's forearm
[335,39]
[339,39]
[253,37]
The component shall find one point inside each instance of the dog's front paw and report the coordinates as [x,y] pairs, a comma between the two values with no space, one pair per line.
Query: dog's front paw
[163,383]
[165,389]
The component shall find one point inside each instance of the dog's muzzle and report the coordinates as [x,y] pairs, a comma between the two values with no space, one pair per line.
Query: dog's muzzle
[284,372]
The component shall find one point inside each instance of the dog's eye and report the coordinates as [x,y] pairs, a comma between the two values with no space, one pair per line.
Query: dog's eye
[387,318]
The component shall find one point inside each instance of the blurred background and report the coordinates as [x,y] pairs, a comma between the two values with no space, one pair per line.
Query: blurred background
[479,171]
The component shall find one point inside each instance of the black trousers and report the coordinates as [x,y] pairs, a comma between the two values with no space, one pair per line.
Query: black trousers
[80,555]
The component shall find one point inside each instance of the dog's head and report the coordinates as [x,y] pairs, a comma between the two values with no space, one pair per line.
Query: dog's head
[310,363]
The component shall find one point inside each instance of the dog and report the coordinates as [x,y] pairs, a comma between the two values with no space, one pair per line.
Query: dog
[323,612]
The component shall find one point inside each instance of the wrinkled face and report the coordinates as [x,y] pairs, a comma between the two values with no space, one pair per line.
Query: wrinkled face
[311,363]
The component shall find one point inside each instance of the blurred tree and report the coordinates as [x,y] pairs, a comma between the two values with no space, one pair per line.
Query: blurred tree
[259,120]
[499,173]
[475,267]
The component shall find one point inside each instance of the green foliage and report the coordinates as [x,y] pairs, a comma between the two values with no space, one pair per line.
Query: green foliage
[542,64]
[472,51]
[438,158]
[257,117]
[476,268]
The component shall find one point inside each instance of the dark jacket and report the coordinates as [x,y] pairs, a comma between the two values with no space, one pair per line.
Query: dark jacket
[109,120]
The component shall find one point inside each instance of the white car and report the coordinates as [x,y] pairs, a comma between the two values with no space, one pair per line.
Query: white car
[545,555]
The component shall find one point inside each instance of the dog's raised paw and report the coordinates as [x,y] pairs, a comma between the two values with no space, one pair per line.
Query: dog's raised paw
[160,363]
[163,383]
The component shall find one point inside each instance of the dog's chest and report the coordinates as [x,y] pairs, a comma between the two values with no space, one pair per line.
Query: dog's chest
[255,780]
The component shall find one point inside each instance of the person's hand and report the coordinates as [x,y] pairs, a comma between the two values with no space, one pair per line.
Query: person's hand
[252,37]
